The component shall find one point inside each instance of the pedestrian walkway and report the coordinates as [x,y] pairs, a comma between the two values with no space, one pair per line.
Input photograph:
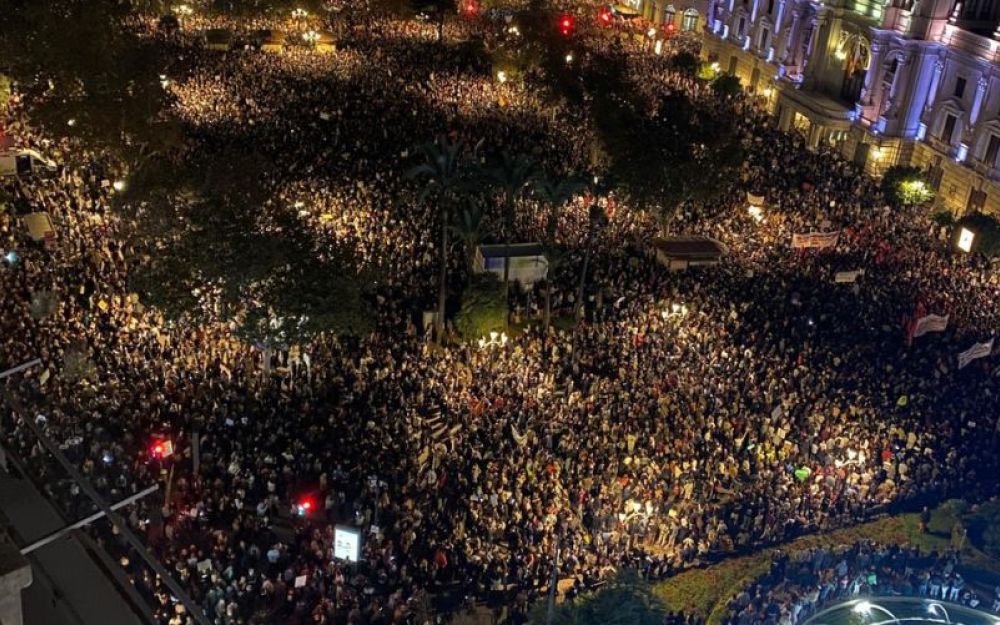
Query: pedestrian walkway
[70,587]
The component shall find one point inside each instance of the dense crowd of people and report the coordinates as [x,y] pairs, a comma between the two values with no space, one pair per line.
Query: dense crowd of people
[690,415]
[799,586]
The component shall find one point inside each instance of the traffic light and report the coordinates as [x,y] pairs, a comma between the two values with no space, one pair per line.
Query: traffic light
[161,448]
[604,16]
[670,28]
[566,24]
[470,8]
[304,506]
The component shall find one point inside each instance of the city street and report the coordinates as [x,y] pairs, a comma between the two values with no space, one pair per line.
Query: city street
[69,587]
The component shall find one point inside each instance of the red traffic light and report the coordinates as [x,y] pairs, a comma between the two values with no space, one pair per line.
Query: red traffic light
[161,448]
[566,23]
[304,506]
[671,28]
[470,8]
[604,16]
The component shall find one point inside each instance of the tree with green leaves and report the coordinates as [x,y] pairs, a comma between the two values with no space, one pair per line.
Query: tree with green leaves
[626,599]
[511,175]
[684,63]
[555,194]
[904,185]
[726,86]
[205,233]
[80,62]
[443,172]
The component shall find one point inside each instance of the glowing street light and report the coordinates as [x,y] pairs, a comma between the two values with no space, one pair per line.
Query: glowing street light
[310,36]
[183,9]
[569,58]
[71,122]
[118,185]
[756,212]
[300,13]
[502,76]
[497,339]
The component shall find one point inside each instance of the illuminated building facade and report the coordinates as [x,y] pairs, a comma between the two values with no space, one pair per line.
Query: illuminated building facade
[908,82]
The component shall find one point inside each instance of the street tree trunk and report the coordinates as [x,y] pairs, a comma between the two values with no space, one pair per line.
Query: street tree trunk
[443,284]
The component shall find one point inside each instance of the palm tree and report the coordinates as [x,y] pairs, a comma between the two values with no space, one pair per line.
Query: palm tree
[597,220]
[511,175]
[442,168]
[469,227]
[555,194]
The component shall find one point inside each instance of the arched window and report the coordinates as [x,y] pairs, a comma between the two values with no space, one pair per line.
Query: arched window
[668,14]
[689,20]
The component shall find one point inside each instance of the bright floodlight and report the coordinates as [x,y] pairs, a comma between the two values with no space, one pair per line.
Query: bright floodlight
[119,185]
[863,607]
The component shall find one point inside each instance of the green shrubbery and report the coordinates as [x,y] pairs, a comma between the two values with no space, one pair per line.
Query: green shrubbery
[483,309]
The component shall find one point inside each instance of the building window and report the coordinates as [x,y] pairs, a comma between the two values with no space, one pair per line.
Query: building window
[977,198]
[959,87]
[991,151]
[949,128]
[668,14]
[743,26]
[763,38]
[690,20]
[770,7]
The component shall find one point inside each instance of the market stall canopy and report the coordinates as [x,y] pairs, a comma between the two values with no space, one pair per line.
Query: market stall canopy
[270,40]
[683,251]
[218,39]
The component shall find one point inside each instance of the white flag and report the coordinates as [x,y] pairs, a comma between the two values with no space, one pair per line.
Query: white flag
[930,323]
[979,350]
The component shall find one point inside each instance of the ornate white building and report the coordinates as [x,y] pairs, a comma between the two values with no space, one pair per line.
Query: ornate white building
[908,82]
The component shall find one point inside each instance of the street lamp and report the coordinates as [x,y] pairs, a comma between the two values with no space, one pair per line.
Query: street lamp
[311,37]
[496,339]
[300,13]
[502,76]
